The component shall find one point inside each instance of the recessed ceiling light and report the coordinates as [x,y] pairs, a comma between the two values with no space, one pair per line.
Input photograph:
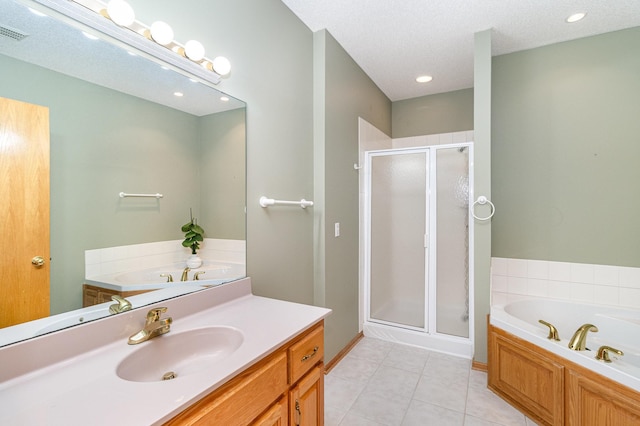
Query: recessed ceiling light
[224,99]
[576,17]
[178,94]
[424,79]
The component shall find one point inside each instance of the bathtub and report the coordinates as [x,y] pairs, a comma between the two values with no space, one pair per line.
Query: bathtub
[617,327]
[215,273]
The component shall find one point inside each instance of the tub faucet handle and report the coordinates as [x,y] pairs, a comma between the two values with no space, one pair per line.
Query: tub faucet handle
[553,332]
[579,340]
[121,305]
[168,277]
[603,353]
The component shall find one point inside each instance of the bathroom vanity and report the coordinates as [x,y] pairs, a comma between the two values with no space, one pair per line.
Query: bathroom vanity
[237,359]
[286,387]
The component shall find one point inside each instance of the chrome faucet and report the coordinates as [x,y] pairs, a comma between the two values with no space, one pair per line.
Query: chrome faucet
[154,326]
[579,340]
[122,305]
[185,274]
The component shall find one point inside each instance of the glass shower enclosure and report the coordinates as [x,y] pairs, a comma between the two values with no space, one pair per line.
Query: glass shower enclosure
[417,226]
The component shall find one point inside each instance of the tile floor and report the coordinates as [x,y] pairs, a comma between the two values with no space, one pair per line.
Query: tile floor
[383,383]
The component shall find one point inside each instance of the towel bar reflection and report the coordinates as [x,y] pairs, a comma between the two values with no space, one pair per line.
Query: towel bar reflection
[125,195]
[266,202]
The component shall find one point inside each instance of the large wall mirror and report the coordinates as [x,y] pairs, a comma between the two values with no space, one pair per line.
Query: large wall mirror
[117,125]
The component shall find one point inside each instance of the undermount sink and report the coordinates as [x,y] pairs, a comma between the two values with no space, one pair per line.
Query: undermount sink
[176,355]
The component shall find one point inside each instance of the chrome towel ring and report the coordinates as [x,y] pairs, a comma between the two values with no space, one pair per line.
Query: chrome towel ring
[482,200]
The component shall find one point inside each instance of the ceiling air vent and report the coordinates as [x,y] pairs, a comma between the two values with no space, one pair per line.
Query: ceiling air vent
[12,33]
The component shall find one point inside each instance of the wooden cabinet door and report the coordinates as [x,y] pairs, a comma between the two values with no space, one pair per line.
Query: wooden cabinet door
[600,403]
[306,400]
[24,215]
[277,415]
[526,378]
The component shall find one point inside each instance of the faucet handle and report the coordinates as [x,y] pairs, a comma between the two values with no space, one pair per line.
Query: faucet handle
[553,332]
[121,306]
[603,353]
[154,314]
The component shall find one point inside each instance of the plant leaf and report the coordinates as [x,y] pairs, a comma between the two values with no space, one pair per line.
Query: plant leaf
[197,229]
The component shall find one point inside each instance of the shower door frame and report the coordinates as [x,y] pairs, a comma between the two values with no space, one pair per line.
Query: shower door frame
[430,239]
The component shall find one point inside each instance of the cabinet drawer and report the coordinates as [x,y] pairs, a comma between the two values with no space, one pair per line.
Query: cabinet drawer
[305,353]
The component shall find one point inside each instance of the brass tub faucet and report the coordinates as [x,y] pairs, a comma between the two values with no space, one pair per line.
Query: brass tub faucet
[579,340]
[185,274]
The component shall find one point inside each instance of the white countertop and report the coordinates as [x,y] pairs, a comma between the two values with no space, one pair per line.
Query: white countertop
[81,389]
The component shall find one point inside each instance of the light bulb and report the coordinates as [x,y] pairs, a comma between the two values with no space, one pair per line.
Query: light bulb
[194,50]
[221,65]
[120,12]
[161,33]
[575,17]
[424,79]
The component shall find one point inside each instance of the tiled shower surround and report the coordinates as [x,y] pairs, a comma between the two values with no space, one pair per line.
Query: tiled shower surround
[513,279]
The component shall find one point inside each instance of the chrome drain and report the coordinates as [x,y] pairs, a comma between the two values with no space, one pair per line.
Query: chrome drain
[169,376]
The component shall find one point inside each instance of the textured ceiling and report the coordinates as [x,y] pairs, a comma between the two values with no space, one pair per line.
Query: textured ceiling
[394,41]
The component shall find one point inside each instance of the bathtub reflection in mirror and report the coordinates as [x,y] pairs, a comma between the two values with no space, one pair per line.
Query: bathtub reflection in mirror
[115,125]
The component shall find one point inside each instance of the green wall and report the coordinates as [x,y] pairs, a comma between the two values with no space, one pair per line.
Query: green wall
[566,149]
[482,148]
[343,92]
[104,142]
[428,115]
[222,170]
[271,54]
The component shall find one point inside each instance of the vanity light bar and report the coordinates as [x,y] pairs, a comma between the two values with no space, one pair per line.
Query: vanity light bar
[121,14]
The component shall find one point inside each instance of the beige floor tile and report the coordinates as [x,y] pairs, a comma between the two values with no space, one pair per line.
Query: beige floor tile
[424,414]
[340,394]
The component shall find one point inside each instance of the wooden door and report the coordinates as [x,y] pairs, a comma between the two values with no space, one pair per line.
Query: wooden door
[24,211]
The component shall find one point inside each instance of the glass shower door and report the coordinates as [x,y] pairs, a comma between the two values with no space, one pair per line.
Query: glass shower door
[398,208]
[452,240]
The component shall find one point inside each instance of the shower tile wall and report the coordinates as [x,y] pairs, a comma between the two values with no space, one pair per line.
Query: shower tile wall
[513,279]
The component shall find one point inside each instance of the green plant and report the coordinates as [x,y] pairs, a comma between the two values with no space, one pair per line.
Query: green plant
[192,234]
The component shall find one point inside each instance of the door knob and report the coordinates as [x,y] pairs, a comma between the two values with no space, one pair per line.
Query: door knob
[38,261]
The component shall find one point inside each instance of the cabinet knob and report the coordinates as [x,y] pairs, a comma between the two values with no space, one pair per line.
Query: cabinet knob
[38,261]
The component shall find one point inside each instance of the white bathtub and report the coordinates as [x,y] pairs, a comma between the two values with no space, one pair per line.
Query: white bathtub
[214,273]
[618,328]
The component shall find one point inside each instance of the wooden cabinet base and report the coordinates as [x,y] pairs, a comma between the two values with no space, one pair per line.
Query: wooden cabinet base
[267,394]
[554,391]
[526,378]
